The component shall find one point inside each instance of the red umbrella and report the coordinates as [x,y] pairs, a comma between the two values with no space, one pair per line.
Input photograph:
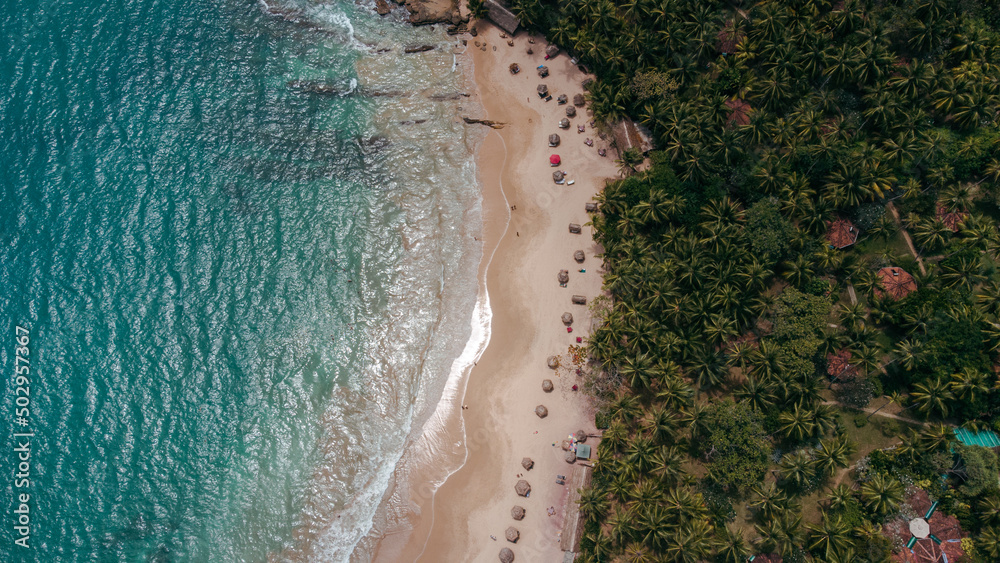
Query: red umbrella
[554,160]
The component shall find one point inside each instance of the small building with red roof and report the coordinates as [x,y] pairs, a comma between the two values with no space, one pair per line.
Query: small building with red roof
[951,218]
[739,112]
[838,365]
[934,537]
[895,283]
[841,233]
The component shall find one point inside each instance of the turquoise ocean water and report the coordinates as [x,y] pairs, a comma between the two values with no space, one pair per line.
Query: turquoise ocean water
[241,237]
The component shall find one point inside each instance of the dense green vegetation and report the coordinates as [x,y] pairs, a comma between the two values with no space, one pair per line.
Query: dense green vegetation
[726,302]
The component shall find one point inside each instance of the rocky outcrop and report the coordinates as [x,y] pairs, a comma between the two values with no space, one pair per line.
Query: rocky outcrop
[424,12]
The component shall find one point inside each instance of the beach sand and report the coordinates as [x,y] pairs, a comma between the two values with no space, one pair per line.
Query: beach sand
[532,243]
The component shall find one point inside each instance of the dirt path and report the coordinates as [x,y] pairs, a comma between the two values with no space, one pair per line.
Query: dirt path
[906,237]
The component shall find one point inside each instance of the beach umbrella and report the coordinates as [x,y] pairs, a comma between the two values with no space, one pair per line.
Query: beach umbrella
[571,457]
[562,99]
[575,228]
[571,111]
[517,513]
[590,207]
[543,71]
[512,534]
[547,385]
[543,90]
[506,555]
[554,160]
[579,101]
[527,463]
[553,362]
[551,51]
[581,436]
[567,318]
[579,300]
[564,124]
[579,256]
[522,488]
[563,276]
[541,411]
[554,140]
[558,176]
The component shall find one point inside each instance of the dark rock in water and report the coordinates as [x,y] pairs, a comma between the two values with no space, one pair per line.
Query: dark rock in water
[369,93]
[413,122]
[382,7]
[374,143]
[444,97]
[323,87]
[418,48]
[486,122]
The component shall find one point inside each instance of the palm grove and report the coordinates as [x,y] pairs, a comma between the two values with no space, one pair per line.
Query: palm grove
[725,302]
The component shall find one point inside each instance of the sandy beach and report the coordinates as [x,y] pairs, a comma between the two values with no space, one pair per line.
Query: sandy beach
[526,232]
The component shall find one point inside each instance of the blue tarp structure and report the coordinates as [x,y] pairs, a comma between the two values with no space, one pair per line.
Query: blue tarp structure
[582,451]
[985,438]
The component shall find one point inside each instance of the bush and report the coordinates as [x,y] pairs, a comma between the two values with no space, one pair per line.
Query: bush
[860,420]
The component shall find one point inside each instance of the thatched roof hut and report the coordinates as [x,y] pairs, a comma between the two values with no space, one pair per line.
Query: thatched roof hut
[579,300]
[554,140]
[739,112]
[567,318]
[575,228]
[512,534]
[522,488]
[579,101]
[563,276]
[527,463]
[564,123]
[952,218]
[541,411]
[570,457]
[543,71]
[543,90]
[517,513]
[558,177]
[581,436]
[579,256]
[506,555]
[547,385]
[571,111]
[500,14]
[590,207]
[841,233]
[562,99]
[895,283]
[551,51]
[514,68]
[552,362]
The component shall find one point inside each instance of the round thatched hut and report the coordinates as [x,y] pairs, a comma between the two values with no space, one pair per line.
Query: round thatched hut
[558,176]
[522,488]
[541,411]
[506,555]
[517,513]
[564,123]
[551,51]
[542,90]
[512,534]
[547,385]
[562,99]
[567,318]
[575,228]
[527,463]
[543,71]
[590,207]
[571,111]
[552,362]
[581,436]
[571,457]
[563,276]
[579,256]
[554,140]
[514,68]
[579,101]
[579,300]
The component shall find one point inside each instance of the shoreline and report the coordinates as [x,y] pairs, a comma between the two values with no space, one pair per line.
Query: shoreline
[524,248]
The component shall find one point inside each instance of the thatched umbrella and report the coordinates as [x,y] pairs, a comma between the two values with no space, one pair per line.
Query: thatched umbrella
[562,99]
[590,207]
[543,90]
[581,436]
[579,256]
[512,534]
[522,488]
[547,385]
[579,101]
[543,71]
[564,124]
[553,362]
[567,445]
[551,51]
[529,50]
[514,68]
[567,318]
[554,140]
[517,513]
[558,176]
[527,463]
[575,228]
[563,276]
[571,111]
[579,300]
[571,457]
[506,555]
[541,411]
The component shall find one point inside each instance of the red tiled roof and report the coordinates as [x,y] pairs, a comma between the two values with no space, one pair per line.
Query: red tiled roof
[841,233]
[839,365]
[739,112]
[895,283]
[951,219]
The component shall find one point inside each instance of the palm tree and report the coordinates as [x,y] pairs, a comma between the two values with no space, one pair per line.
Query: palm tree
[593,502]
[732,547]
[831,537]
[968,384]
[882,494]
[768,500]
[832,454]
[797,469]
[932,397]
[797,424]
